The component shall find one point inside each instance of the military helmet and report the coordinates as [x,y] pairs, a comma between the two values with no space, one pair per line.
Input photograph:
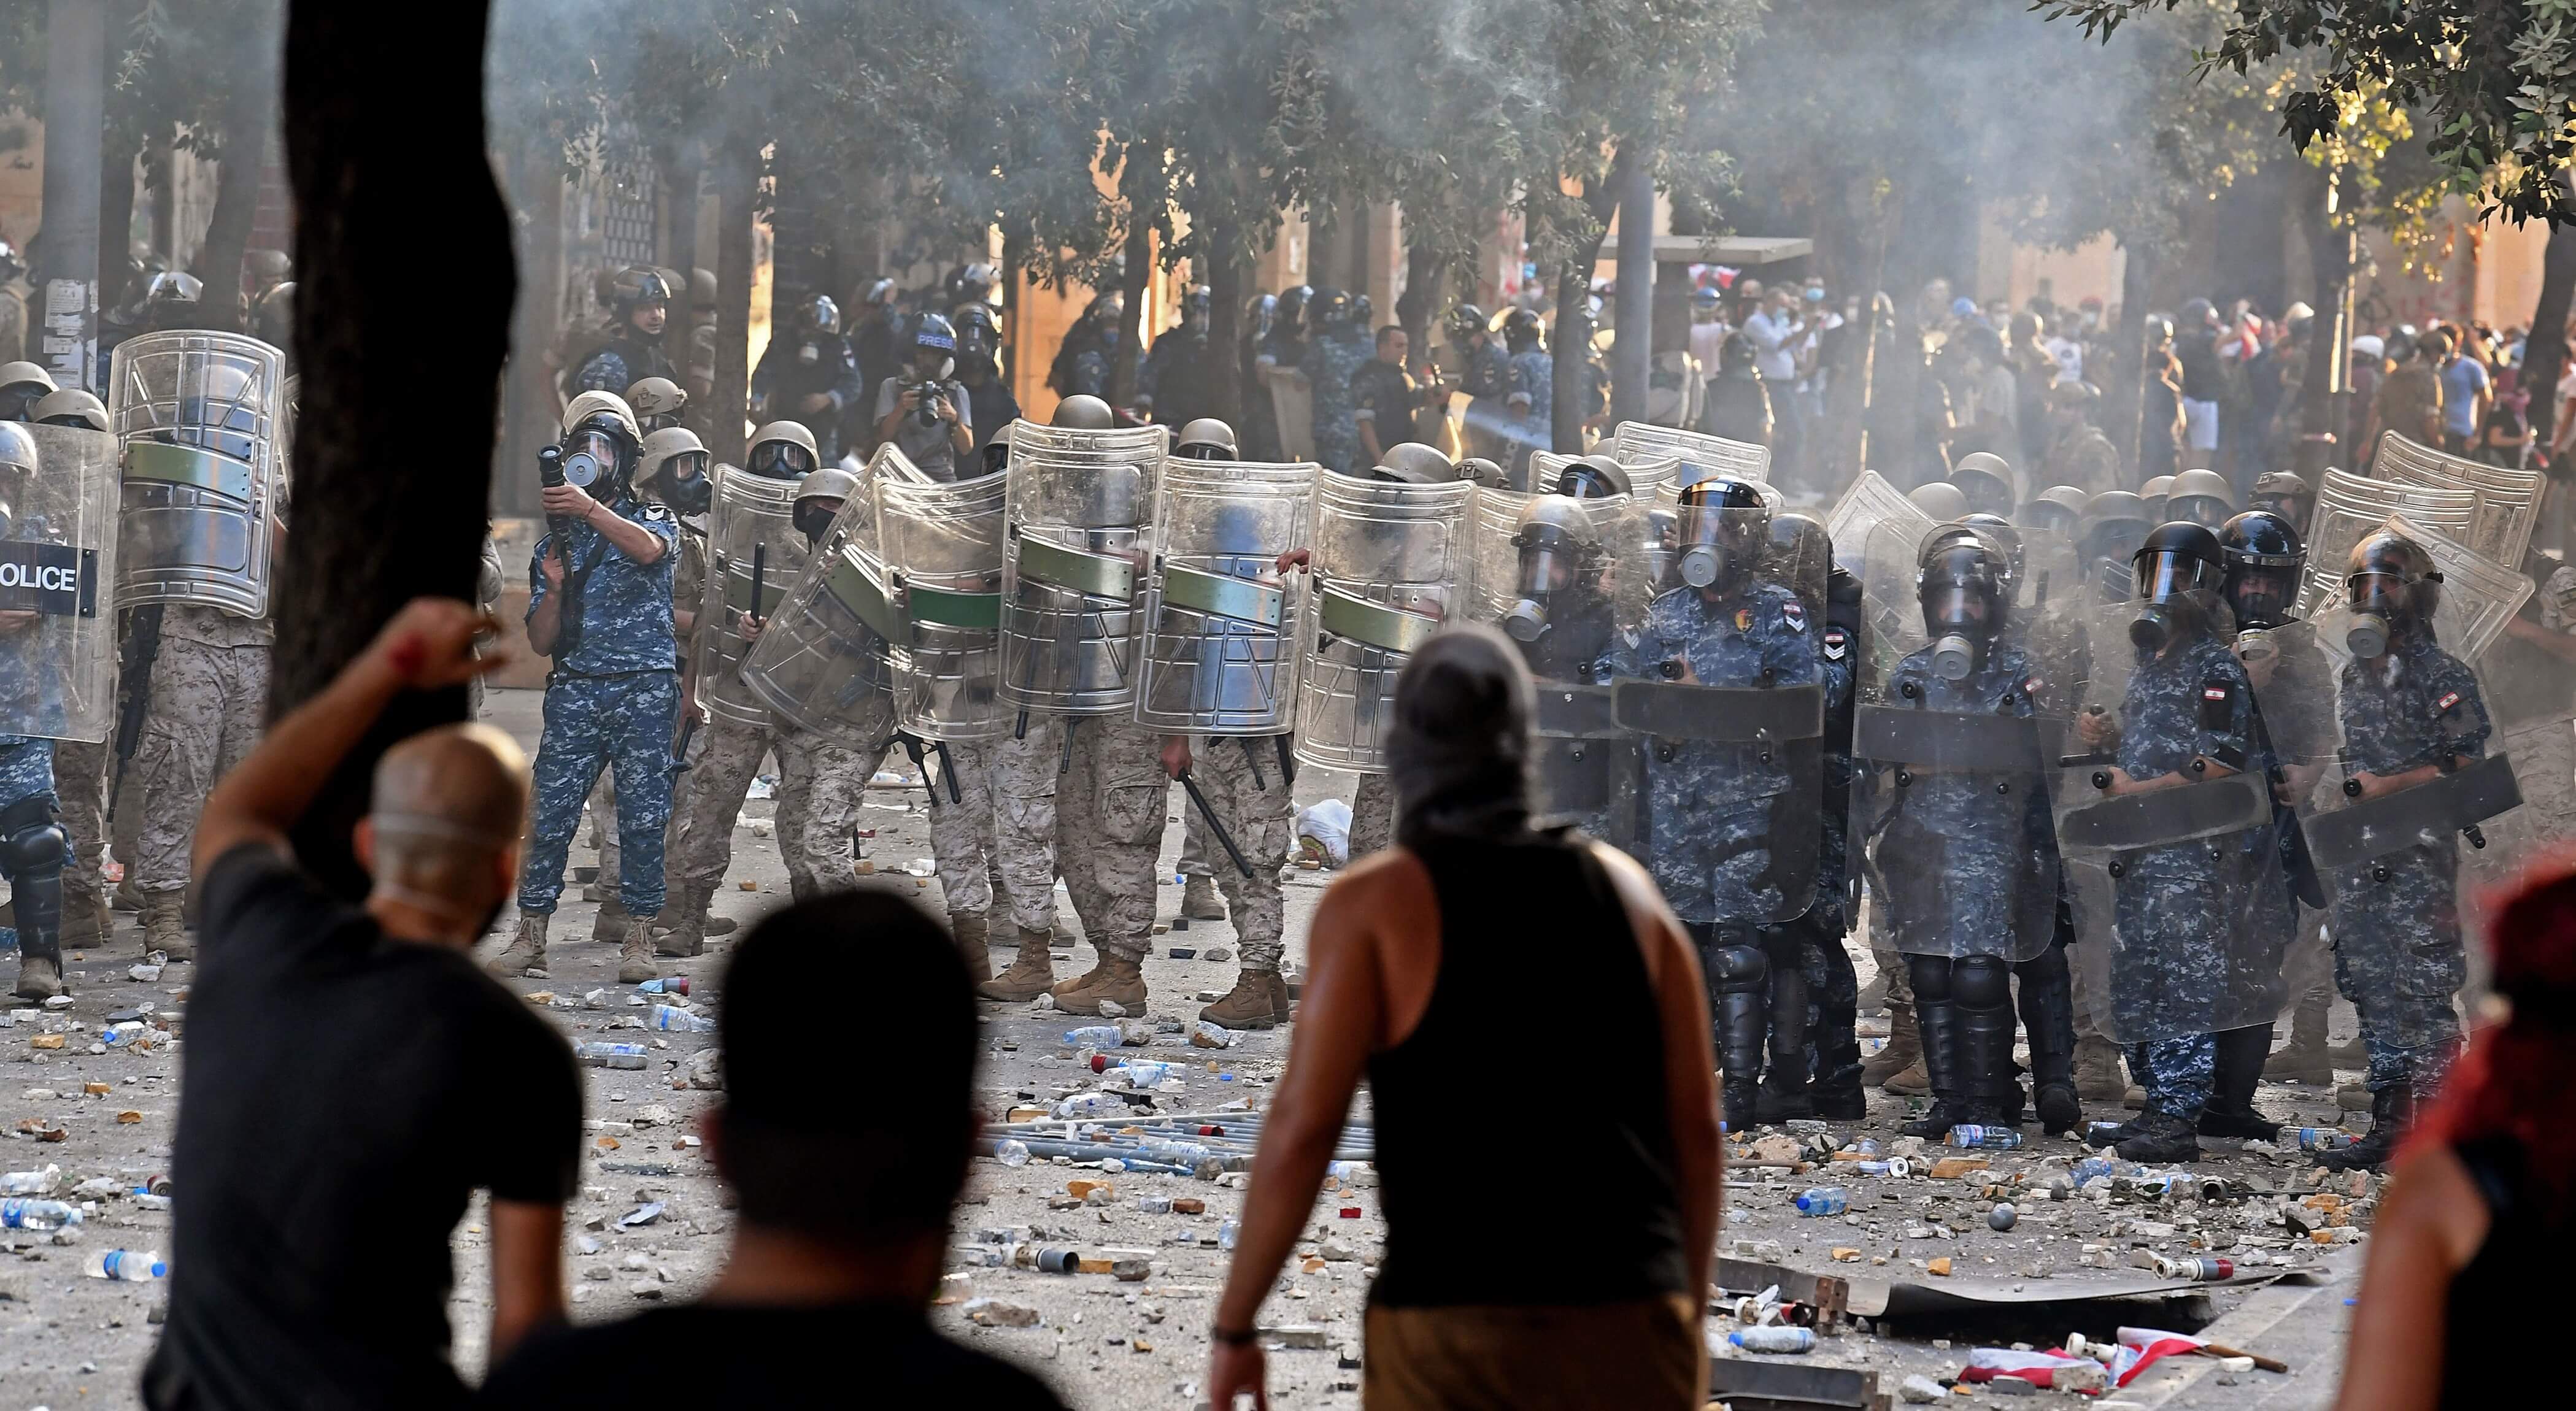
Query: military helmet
[1483,472]
[702,289]
[1985,480]
[2265,563]
[22,385]
[71,406]
[673,466]
[2057,509]
[1416,464]
[2113,523]
[2285,493]
[175,286]
[2202,496]
[1464,322]
[809,514]
[1939,499]
[783,450]
[636,286]
[1207,439]
[2154,492]
[655,396]
[1593,477]
[1083,413]
[602,408]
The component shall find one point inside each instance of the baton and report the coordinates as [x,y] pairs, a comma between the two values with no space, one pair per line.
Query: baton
[688,730]
[1223,838]
[948,771]
[759,572]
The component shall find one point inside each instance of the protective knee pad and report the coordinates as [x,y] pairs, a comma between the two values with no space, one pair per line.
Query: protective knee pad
[1739,969]
[1931,976]
[1981,982]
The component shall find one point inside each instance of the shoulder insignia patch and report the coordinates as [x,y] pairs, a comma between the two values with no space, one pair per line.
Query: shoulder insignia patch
[2213,693]
[1837,644]
[1795,613]
[2448,700]
[1744,619]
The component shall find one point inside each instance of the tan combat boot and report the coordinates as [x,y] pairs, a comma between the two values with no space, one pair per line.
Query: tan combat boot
[680,931]
[1259,1000]
[1114,978]
[1904,1048]
[635,954]
[610,924]
[40,977]
[710,924]
[1199,901]
[1032,972]
[165,927]
[526,954]
[2098,1077]
[85,921]
[969,929]
[127,896]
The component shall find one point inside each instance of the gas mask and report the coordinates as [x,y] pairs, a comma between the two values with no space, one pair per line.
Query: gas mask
[1553,536]
[2174,592]
[1962,592]
[813,516]
[2381,604]
[2262,597]
[591,462]
[685,485]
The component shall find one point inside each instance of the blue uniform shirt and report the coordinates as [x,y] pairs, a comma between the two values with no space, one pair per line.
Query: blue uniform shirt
[624,623]
[2419,707]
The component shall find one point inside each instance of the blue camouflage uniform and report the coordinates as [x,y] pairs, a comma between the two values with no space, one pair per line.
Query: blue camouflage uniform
[1833,987]
[1962,850]
[2398,951]
[2179,909]
[1533,376]
[621,362]
[612,701]
[33,846]
[1487,381]
[1331,358]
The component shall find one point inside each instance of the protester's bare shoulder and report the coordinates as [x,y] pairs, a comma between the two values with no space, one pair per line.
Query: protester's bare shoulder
[1371,891]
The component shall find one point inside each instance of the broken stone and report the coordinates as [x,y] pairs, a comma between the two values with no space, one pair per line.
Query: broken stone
[1301,1337]
[994,1313]
[1922,1391]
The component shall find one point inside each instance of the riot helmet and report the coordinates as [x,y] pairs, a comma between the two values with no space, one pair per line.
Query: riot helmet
[2154,492]
[2265,562]
[1198,311]
[1464,323]
[1412,463]
[819,498]
[1594,477]
[1259,315]
[2179,571]
[783,450]
[275,317]
[1736,358]
[1330,308]
[599,445]
[1939,499]
[22,386]
[2284,493]
[1985,481]
[819,314]
[656,402]
[637,286]
[673,466]
[1483,472]
[2056,511]
[2202,497]
[172,300]
[2003,534]
[1083,413]
[17,468]
[1524,331]
[1291,310]
[72,406]
[978,337]
[1207,439]
[1964,589]
[2114,524]
[1558,543]
[1724,527]
[2393,590]
[1799,545]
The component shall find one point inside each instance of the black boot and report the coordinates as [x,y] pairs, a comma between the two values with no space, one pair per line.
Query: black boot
[1838,1062]
[2162,1138]
[2392,1111]
[1990,1095]
[1785,1096]
[1937,1020]
[38,901]
[1739,979]
[2231,1112]
[2048,1017]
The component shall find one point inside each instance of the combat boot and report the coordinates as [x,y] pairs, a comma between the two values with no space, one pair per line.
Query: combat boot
[165,926]
[2098,1076]
[710,924]
[2351,1056]
[1938,1022]
[1031,973]
[526,954]
[610,924]
[2162,1138]
[2305,1060]
[1904,1049]
[635,953]
[1837,1089]
[1117,978]
[678,932]
[2230,1111]
[2048,1017]
[2392,1111]
[127,896]
[968,928]
[85,922]
[1259,1000]
[40,977]
[1199,900]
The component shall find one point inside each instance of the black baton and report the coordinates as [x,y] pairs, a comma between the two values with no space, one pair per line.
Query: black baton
[1224,839]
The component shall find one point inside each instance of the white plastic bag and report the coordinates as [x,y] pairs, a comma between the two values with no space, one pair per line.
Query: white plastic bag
[1329,824]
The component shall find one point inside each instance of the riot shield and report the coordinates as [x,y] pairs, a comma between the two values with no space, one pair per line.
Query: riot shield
[198,421]
[754,555]
[1080,506]
[943,555]
[1293,403]
[2508,500]
[1218,645]
[2177,889]
[1868,525]
[1950,798]
[1390,562]
[1723,676]
[824,656]
[1700,455]
[2351,506]
[58,560]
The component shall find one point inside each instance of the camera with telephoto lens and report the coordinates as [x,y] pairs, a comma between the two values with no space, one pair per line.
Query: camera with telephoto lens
[925,410]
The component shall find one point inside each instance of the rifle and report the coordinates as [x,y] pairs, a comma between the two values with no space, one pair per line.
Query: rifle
[142,646]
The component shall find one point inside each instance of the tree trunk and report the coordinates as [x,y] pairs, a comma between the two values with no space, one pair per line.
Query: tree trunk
[247,111]
[2328,377]
[385,147]
[2126,390]
[1225,280]
[2545,356]
[1138,275]
[737,184]
[1632,356]
[1424,273]
[680,179]
[116,210]
[1571,402]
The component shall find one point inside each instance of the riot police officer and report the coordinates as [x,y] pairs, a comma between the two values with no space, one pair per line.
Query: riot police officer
[1833,986]
[1179,380]
[631,350]
[22,386]
[1485,375]
[1339,348]
[979,371]
[2201,497]
[34,848]
[811,377]
[2079,454]
[2285,493]
[1531,399]
[1985,481]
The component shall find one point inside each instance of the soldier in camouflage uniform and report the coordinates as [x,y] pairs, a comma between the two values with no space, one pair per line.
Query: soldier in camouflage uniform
[2188,714]
[1339,348]
[2409,715]
[1713,806]
[1531,399]
[1244,779]
[600,606]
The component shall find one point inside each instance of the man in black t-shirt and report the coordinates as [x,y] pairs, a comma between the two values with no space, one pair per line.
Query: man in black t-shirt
[352,1078]
[1384,397]
[843,1207]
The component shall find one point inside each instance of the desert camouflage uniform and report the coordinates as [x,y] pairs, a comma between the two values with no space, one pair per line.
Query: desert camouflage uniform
[1240,777]
[203,714]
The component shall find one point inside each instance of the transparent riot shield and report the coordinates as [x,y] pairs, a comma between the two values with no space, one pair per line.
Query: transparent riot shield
[1293,403]
[2172,862]
[943,555]
[1699,454]
[1869,525]
[1390,563]
[823,659]
[1951,752]
[754,555]
[1219,644]
[58,561]
[1550,572]
[2350,506]
[198,419]
[1722,676]
[1073,565]
[2508,499]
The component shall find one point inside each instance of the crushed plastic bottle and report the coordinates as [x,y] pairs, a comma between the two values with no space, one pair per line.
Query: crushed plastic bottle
[1226,1235]
[672,1018]
[1823,1200]
[2317,1138]
[1142,1072]
[1012,1153]
[32,1182]
[664,985]
[1093,1036]
[24,1214]
[131,1266]
[1971,1135]
[1774,1340]
[599,1054]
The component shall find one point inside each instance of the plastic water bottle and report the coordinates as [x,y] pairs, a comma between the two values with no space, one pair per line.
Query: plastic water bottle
[672,1017]
[1090,1105]
[1144,1072]
[1823,1200]
[1226,1234]
[1012,1153]
[1970,1135]
[31,1182]
[1347,1170]
[1896,1166]
[22,1214]
[2308,1138]
[1774,1340]
[2088,1168]
[607,1055]
[1092,1036]
[132,1266]
[664,985]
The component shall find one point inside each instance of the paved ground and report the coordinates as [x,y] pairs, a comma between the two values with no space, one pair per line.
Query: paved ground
[1110,1343]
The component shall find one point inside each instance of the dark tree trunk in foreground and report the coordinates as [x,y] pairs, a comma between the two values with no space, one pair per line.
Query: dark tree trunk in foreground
[680,181]
[1137,276]
[1573,342]
[385,148]
[1224,277]
[2545,358]
[737,183]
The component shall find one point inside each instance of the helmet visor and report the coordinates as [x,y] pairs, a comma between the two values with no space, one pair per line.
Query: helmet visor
[2262,595]
[589,458]
[2164,577]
